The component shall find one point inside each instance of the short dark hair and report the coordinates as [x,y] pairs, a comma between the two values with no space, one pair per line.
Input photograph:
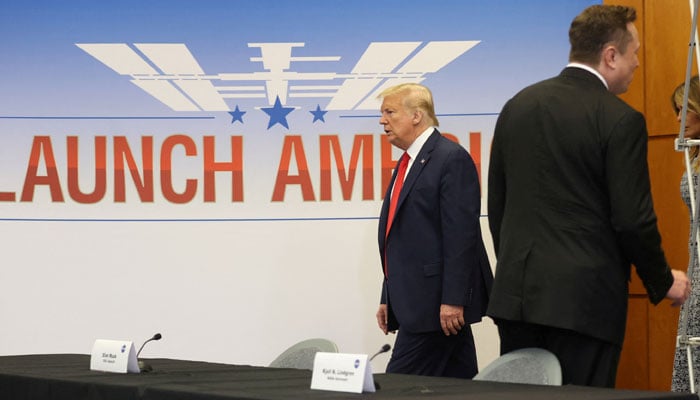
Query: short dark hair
[597,26]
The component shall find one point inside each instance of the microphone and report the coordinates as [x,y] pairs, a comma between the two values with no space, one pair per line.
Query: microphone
[384,349]
[142,364]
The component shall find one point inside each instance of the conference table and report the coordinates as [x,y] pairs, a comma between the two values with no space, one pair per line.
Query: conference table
[67,376]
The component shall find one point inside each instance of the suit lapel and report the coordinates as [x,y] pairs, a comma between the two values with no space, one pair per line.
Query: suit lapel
[417,167]
[384,214]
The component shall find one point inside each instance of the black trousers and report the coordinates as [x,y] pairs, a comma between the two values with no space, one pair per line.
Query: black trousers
[584,360]
[434,354]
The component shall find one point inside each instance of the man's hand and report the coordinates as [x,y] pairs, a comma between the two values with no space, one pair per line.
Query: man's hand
[680,290]
[383,318]
[451,318]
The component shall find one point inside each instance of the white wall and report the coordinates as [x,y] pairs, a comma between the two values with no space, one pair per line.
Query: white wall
[274,284]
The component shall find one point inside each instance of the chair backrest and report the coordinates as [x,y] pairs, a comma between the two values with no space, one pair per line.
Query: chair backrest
[529,365]
[301,355]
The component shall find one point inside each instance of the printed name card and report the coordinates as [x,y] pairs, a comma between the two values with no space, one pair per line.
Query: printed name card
[114,356]
[342,373]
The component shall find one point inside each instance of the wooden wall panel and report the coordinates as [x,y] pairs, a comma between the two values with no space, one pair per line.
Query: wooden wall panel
[635,95]
[636,338]
[647,358]
[665,170]
[667,36]
[666,167]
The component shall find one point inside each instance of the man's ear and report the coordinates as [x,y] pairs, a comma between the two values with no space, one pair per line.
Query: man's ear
[417,117]
[610,55]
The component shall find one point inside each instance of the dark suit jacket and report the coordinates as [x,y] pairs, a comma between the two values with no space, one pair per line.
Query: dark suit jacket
[570,208]
[435,250]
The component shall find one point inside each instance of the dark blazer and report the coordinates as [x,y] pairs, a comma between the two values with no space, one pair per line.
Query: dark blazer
[570,208]
[435,249]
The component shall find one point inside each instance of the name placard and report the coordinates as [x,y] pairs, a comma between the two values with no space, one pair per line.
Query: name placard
[114,356]
[341,372]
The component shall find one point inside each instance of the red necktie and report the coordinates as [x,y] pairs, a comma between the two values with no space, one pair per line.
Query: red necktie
[396,191]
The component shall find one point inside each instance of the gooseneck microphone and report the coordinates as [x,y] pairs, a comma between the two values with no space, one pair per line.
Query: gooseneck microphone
[384,349]
[142,365]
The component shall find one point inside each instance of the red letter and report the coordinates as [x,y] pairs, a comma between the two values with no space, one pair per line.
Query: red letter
[100,171]
[330,143]
[7,196]
[235,166]
[144,186]
[283,177]
[51,178]
[388,163]
[475,151]
[166,176]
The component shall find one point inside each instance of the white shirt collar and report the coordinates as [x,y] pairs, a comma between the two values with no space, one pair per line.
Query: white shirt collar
[591,70]
[416,146]
[418,143]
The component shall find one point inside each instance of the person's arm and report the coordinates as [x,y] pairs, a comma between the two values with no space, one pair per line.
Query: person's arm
[632,211]
[680,290]
[451,319]
[383,318]
[460,204]
[497,189]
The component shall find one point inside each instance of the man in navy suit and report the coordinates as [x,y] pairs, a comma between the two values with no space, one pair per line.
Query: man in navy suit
[570,206]
[436,273]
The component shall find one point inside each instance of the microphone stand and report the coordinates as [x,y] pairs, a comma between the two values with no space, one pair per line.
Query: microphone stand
[143,366]
[384,349]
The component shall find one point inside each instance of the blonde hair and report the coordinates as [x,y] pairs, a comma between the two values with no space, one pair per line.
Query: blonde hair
[416,97]
[693,96]
[693,106]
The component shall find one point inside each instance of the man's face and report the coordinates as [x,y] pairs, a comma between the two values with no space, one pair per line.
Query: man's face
[626,63]
[398,122]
